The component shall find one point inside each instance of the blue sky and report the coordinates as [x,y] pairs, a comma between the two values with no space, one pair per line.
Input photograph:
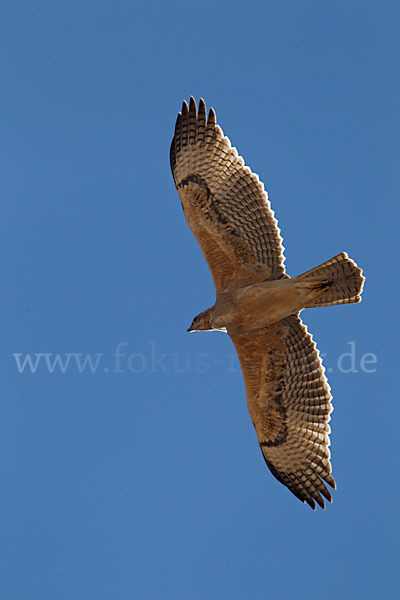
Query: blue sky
[144,479]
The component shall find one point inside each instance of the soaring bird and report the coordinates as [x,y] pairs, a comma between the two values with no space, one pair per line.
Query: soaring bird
[258,304]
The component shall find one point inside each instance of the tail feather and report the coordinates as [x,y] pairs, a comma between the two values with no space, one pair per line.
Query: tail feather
[336,281]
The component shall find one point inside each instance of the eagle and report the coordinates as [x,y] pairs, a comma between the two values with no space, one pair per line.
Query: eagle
[258,304]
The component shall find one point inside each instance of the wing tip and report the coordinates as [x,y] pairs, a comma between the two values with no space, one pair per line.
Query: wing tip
[192,108]
[212,117]
[185,108]
[178,120]
[313,492]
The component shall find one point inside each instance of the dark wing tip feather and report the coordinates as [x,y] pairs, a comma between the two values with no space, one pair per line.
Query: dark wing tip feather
[176,141]
[185,123]
[212,118]
[192,132]
[201,121]
[185,108]
[330,481]
[178,123]
[192,105]
[319,501]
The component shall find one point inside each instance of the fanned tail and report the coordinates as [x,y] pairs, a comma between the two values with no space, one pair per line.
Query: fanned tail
[337,281]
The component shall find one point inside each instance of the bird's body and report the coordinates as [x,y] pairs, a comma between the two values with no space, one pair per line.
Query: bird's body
[258,304]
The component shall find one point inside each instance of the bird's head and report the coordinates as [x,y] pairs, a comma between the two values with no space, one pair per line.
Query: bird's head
[202,322]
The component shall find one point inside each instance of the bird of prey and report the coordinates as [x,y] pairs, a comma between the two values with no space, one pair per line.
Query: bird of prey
[258,304]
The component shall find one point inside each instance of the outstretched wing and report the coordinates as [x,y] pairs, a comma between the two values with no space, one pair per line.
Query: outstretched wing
[289,403]
[225,204]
